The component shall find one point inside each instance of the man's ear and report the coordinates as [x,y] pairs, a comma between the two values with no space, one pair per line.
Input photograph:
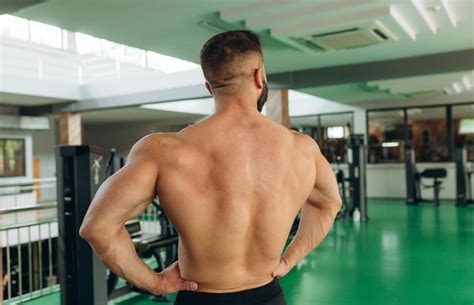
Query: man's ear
[258,77]
[208,87]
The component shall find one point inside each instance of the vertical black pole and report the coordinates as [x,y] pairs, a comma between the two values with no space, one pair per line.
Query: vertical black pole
[450,135]
[82,276]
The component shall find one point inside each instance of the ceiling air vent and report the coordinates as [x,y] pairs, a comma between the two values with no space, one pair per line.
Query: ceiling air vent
[353,37]
[426,94]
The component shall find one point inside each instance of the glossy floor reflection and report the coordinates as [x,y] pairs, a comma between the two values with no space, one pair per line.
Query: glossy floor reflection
[403,255]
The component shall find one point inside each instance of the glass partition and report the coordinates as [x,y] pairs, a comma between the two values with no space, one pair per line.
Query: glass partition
[385,136]
[335,130]
[463,128]
[428,133]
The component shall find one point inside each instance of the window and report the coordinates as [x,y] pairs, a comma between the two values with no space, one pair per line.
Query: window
[14,27]
[386,136]
[87,44]
[12,157]
[335,130]
[45,34]
[112,50]
[135,56]
[463,128]
[428,133]
[167,64]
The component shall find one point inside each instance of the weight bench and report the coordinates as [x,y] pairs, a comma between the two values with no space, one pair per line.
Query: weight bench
[146,245]
[434,173]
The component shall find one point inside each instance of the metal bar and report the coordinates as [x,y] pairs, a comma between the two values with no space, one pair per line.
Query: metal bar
[43,206]
[27,182]
[40,257]
[449,130]
[8,267]
[30,263]
[50,254]
[20,267]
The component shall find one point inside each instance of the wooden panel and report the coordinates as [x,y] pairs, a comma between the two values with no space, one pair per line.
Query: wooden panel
[36,175]
[70,129]
[277,106]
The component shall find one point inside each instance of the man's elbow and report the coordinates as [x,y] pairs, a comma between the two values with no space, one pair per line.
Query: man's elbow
[87,232]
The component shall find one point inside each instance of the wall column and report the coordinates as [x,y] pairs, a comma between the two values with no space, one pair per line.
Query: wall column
[70,129]
[277,107]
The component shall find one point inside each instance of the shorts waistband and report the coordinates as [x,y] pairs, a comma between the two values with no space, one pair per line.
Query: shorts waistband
[249,296]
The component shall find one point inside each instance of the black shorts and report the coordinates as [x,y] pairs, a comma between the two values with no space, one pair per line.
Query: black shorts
[270,294]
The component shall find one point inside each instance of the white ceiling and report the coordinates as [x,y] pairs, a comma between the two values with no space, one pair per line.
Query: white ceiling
[173,28]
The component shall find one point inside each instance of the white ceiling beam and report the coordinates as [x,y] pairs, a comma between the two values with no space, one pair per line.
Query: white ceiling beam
[425,15]
[449,11]
[269,20]
[402,22]
[310,27]
[241,12]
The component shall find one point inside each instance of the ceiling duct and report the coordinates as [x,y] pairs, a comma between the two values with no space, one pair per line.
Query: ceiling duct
[8,7]
[351,37]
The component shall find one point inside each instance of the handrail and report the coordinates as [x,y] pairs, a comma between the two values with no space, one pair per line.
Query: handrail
[29,181]
[41,206]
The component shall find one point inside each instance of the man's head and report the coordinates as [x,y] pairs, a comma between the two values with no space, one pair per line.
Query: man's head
[232,62]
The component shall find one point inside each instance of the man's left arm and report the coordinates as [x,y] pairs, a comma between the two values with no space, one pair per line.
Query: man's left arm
[124,196]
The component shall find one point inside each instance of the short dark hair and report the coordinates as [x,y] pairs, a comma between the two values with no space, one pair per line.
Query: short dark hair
[221,54]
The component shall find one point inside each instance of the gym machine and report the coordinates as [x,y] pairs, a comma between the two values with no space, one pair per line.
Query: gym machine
[354,198]
[414,179]
[83,277]
[463,178]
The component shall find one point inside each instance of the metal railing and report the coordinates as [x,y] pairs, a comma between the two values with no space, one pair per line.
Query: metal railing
[29,254]
[28,239]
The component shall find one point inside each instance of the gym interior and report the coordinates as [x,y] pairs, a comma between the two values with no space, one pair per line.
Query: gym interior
[384,87]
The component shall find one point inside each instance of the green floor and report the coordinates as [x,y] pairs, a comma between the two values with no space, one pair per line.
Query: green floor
[403,255]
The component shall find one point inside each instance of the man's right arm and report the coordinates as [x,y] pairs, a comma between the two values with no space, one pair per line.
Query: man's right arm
[317,216]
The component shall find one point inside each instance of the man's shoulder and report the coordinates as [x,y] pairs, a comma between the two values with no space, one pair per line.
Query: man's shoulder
[304,142]
[156,144]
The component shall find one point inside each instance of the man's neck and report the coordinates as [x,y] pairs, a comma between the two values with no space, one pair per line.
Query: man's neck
[235,104]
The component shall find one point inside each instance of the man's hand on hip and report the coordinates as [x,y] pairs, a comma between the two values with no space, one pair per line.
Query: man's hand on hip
[282,269]
[169,281]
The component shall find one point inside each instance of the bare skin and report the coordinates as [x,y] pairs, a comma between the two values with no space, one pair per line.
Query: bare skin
[232,186]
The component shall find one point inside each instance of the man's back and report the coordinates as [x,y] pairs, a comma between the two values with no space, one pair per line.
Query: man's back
[232,187]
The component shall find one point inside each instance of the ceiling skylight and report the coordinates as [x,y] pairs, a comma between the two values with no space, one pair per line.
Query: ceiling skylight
[45,34]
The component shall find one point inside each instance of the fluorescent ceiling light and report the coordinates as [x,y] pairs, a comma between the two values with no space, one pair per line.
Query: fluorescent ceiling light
[398,17]
[390,144]
[204,106]
[449,11]
[425,15]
